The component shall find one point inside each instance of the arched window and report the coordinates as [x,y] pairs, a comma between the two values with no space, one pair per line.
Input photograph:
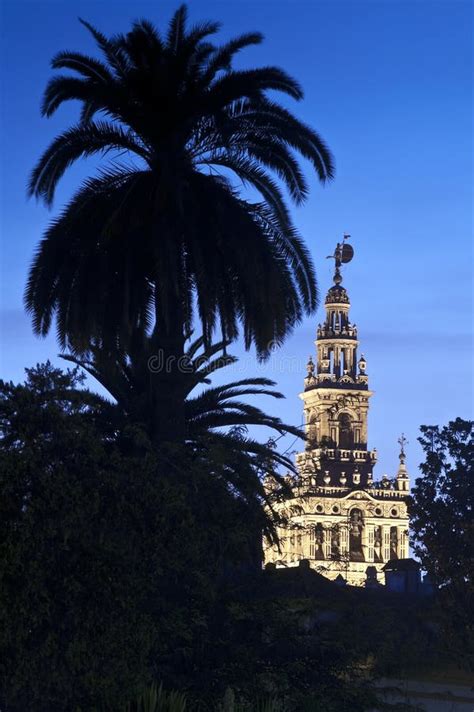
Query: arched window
[313,430]
[393,543]
[335,542]
[356,526]
[319,537]
[346,435]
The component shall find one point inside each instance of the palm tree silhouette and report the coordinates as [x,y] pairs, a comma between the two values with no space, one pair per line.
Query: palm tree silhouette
[163,231]
[216,418]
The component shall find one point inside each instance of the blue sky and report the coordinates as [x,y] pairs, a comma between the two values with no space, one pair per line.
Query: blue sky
[388,85]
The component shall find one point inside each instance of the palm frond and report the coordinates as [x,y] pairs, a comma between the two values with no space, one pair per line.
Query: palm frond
[250,83]
[84,258]
[79,142]
[112,49]
[177,28]
[223,56]
[88,67]
[251,172]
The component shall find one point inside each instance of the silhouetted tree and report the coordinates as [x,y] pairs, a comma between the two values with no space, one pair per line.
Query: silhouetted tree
[112,552]
[163,229]
[442,520]
[216,418]
[110,580]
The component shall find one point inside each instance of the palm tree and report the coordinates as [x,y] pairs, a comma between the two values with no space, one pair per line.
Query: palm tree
[217,420]
[163,230]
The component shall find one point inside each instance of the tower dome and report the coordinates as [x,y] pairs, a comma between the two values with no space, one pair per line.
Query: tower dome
[337,294]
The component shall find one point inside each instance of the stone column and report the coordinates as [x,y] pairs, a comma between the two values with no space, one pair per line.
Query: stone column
[344,539]
[327,542]
[370,542]
[402,543]
[365,541]
[386,542]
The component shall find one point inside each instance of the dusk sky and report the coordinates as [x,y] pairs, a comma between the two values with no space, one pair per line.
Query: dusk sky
[388,85]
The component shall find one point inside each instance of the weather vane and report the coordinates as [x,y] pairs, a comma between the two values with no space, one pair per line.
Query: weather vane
[342,254]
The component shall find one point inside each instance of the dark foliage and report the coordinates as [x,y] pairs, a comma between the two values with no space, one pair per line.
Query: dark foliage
[122,565]
[107,573]
[216,418]
[442,519]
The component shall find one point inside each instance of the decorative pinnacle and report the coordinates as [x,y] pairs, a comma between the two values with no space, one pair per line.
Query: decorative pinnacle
[342,254]
[402,441]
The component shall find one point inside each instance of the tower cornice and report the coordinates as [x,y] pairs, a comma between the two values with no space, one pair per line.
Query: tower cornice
[331,392]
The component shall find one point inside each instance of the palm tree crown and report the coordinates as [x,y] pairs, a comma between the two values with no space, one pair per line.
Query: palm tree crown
[163,230]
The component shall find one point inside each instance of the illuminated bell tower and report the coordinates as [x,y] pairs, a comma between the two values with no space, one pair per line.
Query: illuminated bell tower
[337,517]
[336,393]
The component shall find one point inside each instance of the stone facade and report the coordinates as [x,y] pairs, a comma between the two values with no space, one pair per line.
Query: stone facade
[333,513]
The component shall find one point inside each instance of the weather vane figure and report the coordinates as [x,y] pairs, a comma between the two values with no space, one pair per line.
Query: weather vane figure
[343,253]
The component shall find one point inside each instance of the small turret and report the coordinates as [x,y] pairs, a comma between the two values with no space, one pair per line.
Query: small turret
[403,481]
[309,372]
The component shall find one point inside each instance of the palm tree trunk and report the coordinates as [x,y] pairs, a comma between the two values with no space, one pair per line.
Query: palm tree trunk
[167,388]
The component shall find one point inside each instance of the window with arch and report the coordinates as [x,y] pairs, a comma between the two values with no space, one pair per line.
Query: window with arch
[319,541]
[335,542]
[393,543]
[346,434]
[356,527]
[313,426]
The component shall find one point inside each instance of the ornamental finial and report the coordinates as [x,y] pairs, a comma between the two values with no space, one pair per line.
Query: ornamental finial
[402,441]
[343,253]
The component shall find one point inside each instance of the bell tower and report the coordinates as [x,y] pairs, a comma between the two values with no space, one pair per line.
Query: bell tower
[336,392]
[337,516]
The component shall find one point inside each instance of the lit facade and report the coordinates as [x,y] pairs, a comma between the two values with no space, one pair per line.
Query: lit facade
[337,516]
